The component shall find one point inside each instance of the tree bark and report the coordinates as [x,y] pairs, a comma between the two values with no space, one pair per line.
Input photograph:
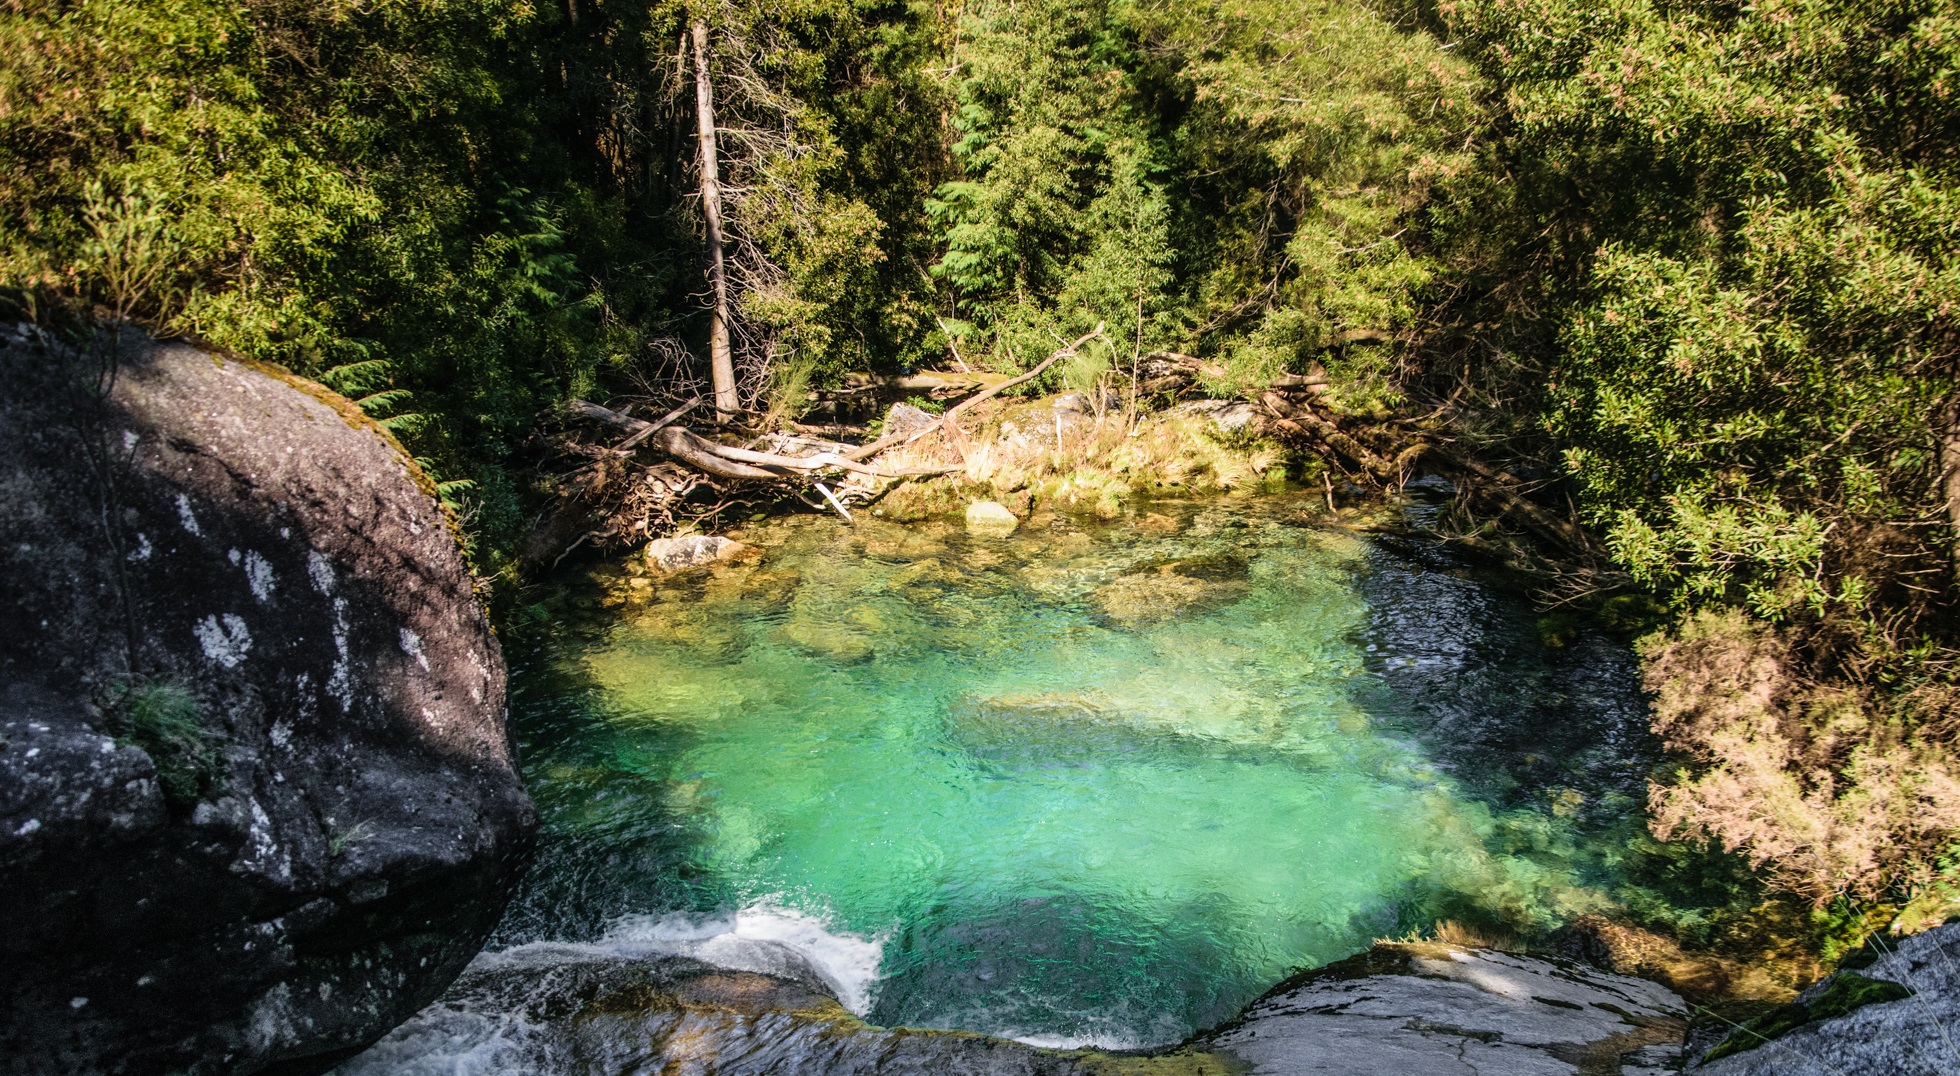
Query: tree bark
[721,360]
[1949,439]
[726,461]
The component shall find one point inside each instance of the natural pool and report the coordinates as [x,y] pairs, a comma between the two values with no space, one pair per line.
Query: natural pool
[1090,783]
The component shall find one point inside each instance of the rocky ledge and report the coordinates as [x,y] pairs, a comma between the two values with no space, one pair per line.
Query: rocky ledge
[1899,1015]
[1418,1009]
[1414,1009]
[257,800]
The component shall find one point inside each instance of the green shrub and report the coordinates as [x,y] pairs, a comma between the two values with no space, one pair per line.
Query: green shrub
[166,722]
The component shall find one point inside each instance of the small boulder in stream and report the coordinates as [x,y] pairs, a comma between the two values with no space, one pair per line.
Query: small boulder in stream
[990,519]
[257,800]
[689,551]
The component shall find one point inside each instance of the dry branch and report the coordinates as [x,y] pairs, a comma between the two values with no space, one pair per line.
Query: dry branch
[725,461]
[991,391]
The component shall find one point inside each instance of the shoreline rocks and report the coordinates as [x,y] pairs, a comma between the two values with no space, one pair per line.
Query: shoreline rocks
[1416,1008]
[1404,1009]
[258,803]
[689,551]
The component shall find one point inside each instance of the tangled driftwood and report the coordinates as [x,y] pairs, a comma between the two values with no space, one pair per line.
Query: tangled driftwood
[1490,494]
[638,499]
[633,500]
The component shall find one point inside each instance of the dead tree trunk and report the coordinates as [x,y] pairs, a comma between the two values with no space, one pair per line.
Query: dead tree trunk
[1949,438]
[720,357]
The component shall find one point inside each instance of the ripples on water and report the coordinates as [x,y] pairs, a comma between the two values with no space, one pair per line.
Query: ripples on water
[1087,784]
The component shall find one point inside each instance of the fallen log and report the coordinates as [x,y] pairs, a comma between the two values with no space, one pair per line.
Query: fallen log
[606,415]
[658,424]
[1301,421]
[821,460]
[725,461]
[1318,385]
[704,455]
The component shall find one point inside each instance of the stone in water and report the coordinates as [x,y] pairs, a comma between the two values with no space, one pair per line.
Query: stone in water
[691,551]
[990,518]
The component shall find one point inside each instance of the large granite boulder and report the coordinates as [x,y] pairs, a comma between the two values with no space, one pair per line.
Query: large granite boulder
[1899,1015]
[584,1010]
[257,800]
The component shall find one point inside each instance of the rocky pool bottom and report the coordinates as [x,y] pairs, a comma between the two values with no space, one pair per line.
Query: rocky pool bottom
[1085,785]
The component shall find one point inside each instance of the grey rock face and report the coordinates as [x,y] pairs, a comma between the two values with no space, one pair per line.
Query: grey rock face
[573,1010]
[1397,1010]
[257,800]
[1230,416]
[1915,1036]
[1423,1009]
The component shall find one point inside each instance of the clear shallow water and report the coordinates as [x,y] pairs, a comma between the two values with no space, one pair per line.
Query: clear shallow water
[1087,784]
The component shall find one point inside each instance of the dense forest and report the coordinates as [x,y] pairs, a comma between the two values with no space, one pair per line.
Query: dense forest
[1689,268]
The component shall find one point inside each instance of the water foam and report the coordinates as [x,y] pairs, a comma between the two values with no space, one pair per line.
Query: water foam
[444,1041]
[755,938]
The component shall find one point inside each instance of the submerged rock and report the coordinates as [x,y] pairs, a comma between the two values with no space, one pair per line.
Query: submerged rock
[1061,730]
[1899,1015]
[1170,589]
[990,518]
[689,551]
[257,800]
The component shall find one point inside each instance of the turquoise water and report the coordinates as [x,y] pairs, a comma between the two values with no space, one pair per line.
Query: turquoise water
[1089,783]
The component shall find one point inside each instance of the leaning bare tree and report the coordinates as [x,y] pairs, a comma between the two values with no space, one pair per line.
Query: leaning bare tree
[754,199]
[720,355]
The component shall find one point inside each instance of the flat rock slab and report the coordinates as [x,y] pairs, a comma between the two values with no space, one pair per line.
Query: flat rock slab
[1439,1010]
[1914,1036]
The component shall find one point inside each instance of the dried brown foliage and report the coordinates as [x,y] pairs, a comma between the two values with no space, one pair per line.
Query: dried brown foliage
[1828,788]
